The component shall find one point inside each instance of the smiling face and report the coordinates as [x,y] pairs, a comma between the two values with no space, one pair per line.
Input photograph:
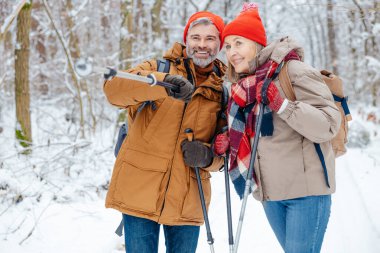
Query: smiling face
[202,44]
[240,51]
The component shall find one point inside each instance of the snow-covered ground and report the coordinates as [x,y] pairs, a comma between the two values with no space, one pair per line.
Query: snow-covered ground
[64,223]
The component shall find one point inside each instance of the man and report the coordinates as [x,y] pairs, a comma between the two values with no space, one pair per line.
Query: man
[153,181]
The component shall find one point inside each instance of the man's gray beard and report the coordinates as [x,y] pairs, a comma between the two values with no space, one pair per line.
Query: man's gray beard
[203,62]
[200,62]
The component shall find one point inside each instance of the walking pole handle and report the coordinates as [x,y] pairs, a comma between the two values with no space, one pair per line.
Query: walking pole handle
[189,133]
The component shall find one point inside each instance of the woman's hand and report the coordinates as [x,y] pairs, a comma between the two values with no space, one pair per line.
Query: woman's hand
[273,95]
[221,144]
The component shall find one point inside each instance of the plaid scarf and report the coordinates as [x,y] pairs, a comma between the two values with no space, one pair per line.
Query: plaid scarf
[242,110]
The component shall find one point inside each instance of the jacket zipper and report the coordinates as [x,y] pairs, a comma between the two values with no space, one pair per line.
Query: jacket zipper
[174,153]
[263,196]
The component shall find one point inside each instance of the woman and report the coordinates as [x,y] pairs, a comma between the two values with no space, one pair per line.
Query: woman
[289,178]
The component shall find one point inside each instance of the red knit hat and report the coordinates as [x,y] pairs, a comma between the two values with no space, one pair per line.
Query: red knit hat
[215,19]
[247,24]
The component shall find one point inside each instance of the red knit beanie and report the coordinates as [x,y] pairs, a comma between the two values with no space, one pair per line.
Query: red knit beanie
[247,24]
[215,19]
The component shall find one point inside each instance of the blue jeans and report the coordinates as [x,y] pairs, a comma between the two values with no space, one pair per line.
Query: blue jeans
[299,224]
[141,236]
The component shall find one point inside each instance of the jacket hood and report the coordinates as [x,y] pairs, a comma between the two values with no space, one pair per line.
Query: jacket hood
[276,51]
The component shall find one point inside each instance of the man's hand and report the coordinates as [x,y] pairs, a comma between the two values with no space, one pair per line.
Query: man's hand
[110,74]
[196,154]
[186,89]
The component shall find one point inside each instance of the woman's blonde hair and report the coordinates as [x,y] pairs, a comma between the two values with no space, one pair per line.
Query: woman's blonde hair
[231,73]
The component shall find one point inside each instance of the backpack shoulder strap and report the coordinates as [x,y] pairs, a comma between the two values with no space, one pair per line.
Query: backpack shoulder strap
[163,65]
[216,70]
[286,83]
[225,96]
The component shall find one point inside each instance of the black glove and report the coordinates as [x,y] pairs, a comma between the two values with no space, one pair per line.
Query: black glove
[111,73]
[196,154]
[186,89]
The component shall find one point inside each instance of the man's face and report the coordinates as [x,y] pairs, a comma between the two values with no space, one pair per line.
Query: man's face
[202,44]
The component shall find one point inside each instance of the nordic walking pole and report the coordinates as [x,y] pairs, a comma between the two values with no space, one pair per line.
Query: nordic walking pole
[228,202]
[85,69]
[210,240]
[248,181]
[228,198]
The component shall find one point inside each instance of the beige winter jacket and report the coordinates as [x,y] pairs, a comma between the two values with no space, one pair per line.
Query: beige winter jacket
[150,179]
[287,164]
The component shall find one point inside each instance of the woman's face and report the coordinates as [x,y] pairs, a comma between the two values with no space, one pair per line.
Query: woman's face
[240,51]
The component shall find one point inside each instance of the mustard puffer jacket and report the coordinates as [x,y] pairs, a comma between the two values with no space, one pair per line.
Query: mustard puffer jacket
[150,179]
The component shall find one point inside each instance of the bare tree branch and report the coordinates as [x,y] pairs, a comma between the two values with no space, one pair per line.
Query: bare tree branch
[194,5]
[208,5]
[4,28]
[35,225]
[71,66]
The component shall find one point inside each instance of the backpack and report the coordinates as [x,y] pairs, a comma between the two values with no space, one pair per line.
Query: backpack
[335,84]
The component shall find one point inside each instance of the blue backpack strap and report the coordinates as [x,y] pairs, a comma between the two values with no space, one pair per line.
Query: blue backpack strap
[322,158]
[163,65]
[119,230]
[123,131]
[344,104]
[216,70]
[224,103]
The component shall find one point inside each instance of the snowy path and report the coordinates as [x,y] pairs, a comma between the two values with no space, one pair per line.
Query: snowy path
[354,224]
[88,227]
[355,217]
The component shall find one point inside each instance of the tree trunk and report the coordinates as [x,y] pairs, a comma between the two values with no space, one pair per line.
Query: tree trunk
[324,53]
[370,44]
[126,34]
[75,54]
[375,52]
[164,29]
[141,29]
[41,79]
[22,95]
[353,71]
[156,19]
[331,36]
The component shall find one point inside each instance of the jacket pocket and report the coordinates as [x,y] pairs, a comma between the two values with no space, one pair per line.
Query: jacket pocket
[192,208]
[139,184]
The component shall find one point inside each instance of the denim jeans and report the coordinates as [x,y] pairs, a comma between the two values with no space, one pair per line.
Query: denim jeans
[141,236]
[299,224]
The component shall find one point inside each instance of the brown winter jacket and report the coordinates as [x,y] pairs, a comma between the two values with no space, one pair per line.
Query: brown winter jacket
[150,179]
[287,164]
